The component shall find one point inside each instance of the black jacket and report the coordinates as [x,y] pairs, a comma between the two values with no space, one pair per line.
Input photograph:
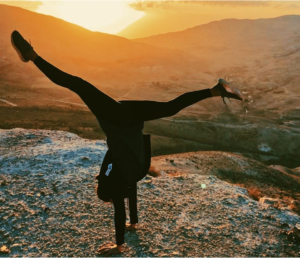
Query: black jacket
[115,183]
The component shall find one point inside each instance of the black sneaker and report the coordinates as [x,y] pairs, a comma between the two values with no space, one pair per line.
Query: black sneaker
[20,45]
[227,92]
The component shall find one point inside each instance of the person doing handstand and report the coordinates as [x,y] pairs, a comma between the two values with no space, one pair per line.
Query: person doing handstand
[122,122]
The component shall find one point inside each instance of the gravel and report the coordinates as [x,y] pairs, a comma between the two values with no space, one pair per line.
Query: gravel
[49,207]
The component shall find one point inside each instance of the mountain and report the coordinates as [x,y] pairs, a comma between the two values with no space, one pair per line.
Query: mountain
[232,41]
[259,57]
[80,51]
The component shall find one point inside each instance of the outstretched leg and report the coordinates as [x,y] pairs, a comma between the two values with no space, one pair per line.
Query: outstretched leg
[151,110]
[103,107]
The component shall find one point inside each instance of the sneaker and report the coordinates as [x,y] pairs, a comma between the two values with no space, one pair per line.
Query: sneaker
[20,45]
[227,92]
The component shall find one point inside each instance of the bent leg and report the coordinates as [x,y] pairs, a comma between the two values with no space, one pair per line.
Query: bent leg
[151,110]
[102,106]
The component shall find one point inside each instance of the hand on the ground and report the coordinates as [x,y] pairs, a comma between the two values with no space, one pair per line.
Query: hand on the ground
[130,227]
[108,249]
[110,201]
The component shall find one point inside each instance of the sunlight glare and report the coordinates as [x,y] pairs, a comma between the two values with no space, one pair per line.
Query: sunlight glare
[105,16]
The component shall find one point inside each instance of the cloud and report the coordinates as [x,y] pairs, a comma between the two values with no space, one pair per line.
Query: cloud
[235,3]
[179,6]
[148,5]
[142,5]
[287,6]
[29,5]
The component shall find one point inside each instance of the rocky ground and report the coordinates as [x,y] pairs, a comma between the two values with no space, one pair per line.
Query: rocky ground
[49,206]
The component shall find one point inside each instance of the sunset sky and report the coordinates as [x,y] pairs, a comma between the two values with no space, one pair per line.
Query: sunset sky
[135,19]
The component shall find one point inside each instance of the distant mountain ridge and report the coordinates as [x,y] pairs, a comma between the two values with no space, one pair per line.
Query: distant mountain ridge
[57,35]
[79,48]
[219,33]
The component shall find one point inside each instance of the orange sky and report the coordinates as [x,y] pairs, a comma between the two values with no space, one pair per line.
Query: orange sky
[134,19]
[166,16]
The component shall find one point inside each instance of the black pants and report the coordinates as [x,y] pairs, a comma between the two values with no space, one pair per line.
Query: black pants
[122,114]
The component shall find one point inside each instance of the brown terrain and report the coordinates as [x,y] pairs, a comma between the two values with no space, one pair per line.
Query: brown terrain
[259,57]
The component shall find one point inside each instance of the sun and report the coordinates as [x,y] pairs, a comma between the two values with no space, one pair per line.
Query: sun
[105,16]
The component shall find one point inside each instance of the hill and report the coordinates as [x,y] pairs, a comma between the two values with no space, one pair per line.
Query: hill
[260,57]
[242,40]
[93,55]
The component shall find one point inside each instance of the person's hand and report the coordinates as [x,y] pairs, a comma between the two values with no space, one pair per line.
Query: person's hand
[110,201]
[109,249]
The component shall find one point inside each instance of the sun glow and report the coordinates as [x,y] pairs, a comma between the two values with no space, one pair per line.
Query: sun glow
[105,16]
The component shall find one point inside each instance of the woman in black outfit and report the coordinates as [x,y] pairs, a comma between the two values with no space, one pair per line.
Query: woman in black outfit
[122,122]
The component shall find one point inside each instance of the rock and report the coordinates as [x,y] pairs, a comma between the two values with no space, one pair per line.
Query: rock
[32,248]
[16,248]
[153,171]
[294,234]
[29,194]
[43,193]
[3,183]
[179,217]
[4,250]
[268,200]
[9,240]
